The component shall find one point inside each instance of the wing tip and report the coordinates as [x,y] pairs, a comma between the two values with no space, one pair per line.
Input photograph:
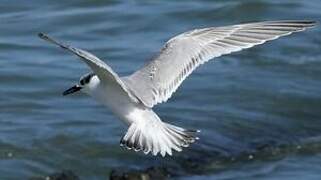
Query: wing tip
[304,22]
[53,41]
[313,23]
[307,23]
[43,36]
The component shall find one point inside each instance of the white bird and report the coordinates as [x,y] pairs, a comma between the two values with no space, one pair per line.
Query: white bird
[132,97]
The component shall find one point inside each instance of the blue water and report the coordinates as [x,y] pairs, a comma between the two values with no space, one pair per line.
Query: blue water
[259,110]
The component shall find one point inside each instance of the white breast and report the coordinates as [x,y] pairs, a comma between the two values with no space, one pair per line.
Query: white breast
[116,100]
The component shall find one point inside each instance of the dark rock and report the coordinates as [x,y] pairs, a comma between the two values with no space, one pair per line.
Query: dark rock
[64,175]
[148,174]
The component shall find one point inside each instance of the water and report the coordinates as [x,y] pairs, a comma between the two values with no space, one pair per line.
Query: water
[259,110]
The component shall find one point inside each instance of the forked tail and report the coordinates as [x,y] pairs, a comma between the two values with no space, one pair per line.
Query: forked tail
[156,137]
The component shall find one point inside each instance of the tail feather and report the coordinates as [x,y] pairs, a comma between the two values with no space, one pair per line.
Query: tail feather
[157,137]
[186,136]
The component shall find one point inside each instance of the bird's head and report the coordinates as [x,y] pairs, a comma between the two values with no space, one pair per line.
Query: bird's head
[85,84]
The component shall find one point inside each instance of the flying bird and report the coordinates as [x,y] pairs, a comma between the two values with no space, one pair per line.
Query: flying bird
[132,98]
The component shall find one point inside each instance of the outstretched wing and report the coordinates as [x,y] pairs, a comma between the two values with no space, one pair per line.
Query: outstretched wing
[159,79]
[101,69]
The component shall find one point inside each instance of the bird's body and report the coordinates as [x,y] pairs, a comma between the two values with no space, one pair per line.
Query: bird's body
[130,112]
[132,98]
[118,102]
[113,98]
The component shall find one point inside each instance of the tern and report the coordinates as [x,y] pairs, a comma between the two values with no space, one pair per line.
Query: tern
[131,98]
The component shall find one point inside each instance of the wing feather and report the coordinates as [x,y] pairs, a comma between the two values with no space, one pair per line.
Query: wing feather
[159,79]
[101,69]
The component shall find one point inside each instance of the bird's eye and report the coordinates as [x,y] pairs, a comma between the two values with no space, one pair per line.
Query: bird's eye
[82,82]
[87,80]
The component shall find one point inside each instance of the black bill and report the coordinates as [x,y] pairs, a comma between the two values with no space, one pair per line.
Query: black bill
[71,90]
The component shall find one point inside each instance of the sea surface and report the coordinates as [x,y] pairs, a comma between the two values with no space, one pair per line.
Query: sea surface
[259,110]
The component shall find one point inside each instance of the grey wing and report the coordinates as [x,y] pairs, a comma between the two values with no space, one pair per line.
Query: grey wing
[101,69]
[159,79]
